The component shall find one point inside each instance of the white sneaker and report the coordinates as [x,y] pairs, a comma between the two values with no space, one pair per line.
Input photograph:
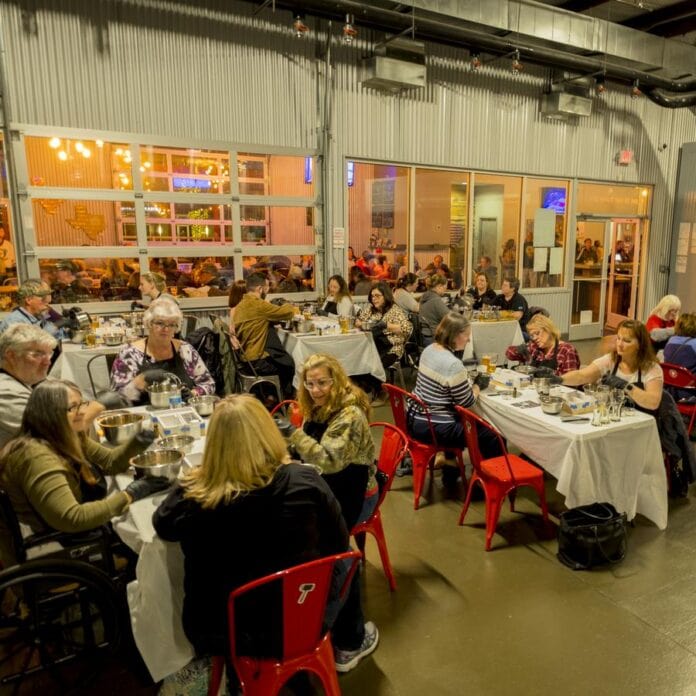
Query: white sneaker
[348,659]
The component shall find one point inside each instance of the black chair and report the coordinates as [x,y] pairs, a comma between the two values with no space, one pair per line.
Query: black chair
[249,381]
[190,324]
[99,372]
[412,352]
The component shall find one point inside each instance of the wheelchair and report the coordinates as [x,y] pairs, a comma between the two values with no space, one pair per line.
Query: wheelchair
[62,608]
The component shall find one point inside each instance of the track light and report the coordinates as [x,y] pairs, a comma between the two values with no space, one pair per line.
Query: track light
[516,65]
[475,61]
[349,31]
[600,87]
[635,90]
[299,27]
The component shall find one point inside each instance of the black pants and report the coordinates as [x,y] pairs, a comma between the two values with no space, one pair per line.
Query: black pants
[277,362]
[451,434]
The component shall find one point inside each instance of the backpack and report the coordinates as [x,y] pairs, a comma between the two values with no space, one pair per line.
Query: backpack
[206,342]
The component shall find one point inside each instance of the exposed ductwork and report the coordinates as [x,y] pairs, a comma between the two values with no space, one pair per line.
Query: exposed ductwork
[544,35]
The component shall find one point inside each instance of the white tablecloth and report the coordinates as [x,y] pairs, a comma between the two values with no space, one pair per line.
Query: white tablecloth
[355,351]
[72,365]
[493,337]
[156,596]
[620,463]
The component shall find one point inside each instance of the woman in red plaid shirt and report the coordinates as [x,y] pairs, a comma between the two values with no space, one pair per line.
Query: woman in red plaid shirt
[545,349]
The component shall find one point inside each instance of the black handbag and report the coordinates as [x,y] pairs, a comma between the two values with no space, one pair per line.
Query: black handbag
[592,535]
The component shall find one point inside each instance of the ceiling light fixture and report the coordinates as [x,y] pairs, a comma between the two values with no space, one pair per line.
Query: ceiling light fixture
[600,87]
[516,65]
[635,90]
[475,61]
[299,27]
[349,31]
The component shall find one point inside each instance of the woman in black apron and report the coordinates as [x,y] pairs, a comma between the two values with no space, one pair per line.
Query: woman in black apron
[338,299]
[632,366]
[545,349]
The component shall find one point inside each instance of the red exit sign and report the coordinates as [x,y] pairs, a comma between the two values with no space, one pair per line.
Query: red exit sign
[625,157]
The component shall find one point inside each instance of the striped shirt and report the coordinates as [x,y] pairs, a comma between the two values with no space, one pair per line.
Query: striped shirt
[442,383]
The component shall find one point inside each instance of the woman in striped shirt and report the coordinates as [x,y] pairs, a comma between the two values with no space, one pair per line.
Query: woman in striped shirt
[443,383]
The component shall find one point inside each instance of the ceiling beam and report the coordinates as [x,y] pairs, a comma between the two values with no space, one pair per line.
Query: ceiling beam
[581,5]
[676,28]
[652,21]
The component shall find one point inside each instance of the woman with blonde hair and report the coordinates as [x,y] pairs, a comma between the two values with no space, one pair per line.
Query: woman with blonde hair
[246,512]
[660,323]
[545,348]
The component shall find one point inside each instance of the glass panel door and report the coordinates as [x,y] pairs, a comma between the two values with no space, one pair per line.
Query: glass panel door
[589,278]
[624,262]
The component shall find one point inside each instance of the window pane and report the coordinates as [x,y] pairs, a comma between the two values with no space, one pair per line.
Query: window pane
[78,163]
[543,249]
[275,175]
[60,222]
[285,273]
[91,280]
[378,218]
[196,276]
[192,223]
[185,169]
[496,225]
[277,225]
[613,199]
[442,209]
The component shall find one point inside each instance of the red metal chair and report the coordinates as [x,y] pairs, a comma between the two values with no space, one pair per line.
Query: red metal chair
[499,476]
[422,453]
[305,592]
[680,378]
[391,453]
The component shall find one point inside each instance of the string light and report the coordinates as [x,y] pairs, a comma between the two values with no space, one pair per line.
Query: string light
[600,87]
[475,61]
[54,143]
[635,90]
[299,27]
[349,31]
[516,65]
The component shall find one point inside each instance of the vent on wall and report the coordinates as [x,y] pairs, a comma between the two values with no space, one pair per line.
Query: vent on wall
[395,65]
[568,97]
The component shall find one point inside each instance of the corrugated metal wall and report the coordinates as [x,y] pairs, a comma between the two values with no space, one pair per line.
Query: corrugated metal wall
[219,74]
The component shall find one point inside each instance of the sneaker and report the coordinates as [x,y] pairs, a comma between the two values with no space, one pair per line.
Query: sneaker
[348,659]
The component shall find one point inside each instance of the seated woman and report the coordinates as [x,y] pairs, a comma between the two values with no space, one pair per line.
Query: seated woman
[432,306]
[54,474]
[336,435]
[681,349]
[660,323]
[403,295]
[545,349]
[393,328]
[246,512]
[338,299]
[148,360]
[481,291]
[631,366]
[443,383]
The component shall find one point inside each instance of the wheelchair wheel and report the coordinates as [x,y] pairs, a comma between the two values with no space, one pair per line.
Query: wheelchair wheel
[58,617]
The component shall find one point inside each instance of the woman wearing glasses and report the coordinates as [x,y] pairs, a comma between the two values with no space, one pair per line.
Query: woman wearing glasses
[54,474]
[545,349]
[152,359]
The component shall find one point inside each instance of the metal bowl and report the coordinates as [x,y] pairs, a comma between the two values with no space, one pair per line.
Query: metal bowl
[78,336]
[525,369]
[551,404]
[161,393]
[162,462]
[205,404]
[183,443]
[120,427]
[113,339]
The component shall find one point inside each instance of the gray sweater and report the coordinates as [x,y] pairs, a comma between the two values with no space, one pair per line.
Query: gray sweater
[432,309]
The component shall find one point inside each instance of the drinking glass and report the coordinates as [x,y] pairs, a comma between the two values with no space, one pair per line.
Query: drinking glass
[617,401]
[486,361]
[90,339]
[492,362]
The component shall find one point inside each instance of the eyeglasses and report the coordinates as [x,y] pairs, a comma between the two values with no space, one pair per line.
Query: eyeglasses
[38,354]
[534,334]
[164,325]
[76,408]
[319,384]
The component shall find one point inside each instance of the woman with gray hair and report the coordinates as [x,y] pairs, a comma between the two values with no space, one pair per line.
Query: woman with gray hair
[158,356]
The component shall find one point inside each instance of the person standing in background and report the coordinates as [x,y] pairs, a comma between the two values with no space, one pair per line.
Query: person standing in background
[8,260]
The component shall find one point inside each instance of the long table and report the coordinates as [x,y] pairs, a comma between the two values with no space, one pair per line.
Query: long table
[355,351]
[620,463]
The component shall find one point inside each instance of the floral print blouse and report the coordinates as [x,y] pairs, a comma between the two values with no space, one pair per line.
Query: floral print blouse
[394,315]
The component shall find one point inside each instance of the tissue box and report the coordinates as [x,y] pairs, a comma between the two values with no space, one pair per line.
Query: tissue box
[509,378]
[179,421]
[577,402]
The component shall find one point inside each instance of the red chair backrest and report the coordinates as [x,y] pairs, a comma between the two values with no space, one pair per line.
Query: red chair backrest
[304,592]
[393,450]
[400,401]
[292,408]
[678,376]
[470,421]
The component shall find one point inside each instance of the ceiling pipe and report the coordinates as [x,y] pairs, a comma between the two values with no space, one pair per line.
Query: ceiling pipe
[669,100]
[386,20]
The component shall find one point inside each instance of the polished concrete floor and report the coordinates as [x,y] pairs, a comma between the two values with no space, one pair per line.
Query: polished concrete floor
[514,620]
